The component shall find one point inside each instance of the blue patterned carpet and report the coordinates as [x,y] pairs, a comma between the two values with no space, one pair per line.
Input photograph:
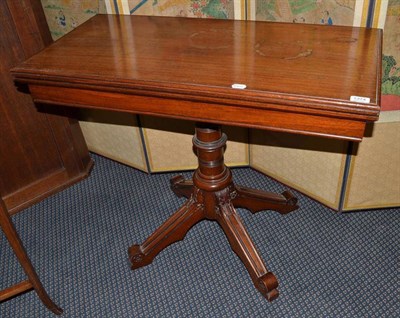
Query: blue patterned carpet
[328,264]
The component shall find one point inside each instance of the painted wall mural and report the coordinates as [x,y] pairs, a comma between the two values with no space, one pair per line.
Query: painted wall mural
[220,9]
[391,59]
[64,15]
[339,12]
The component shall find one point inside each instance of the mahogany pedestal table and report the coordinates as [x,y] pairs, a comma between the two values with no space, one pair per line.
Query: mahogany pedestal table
[306,79]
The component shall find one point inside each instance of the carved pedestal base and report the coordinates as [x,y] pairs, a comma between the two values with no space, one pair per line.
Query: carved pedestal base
[212,195]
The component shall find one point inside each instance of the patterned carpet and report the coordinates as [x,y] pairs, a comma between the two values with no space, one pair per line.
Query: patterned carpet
[328,264]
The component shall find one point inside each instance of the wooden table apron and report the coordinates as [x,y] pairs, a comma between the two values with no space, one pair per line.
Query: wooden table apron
[303,79]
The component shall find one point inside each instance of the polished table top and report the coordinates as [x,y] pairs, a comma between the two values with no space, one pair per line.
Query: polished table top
[308,79]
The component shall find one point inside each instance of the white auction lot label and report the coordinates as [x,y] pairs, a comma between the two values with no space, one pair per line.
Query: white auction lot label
[360,99]
[239,86]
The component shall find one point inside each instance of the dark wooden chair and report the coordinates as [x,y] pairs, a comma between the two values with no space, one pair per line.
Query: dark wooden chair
[60,155]
[33,281]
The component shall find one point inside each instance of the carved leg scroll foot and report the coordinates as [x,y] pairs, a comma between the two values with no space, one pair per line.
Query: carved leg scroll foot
[173,230]
[267,285]
[257,200]
[243,246]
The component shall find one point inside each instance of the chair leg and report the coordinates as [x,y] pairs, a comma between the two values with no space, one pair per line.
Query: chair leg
[33,280]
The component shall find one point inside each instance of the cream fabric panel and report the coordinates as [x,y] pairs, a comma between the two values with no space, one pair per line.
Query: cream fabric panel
[374,179]
[114,135]
[168,144]
[314,166]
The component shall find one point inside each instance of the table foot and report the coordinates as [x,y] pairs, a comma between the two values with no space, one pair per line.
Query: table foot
[173,230]
[267,285]
[243,246]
